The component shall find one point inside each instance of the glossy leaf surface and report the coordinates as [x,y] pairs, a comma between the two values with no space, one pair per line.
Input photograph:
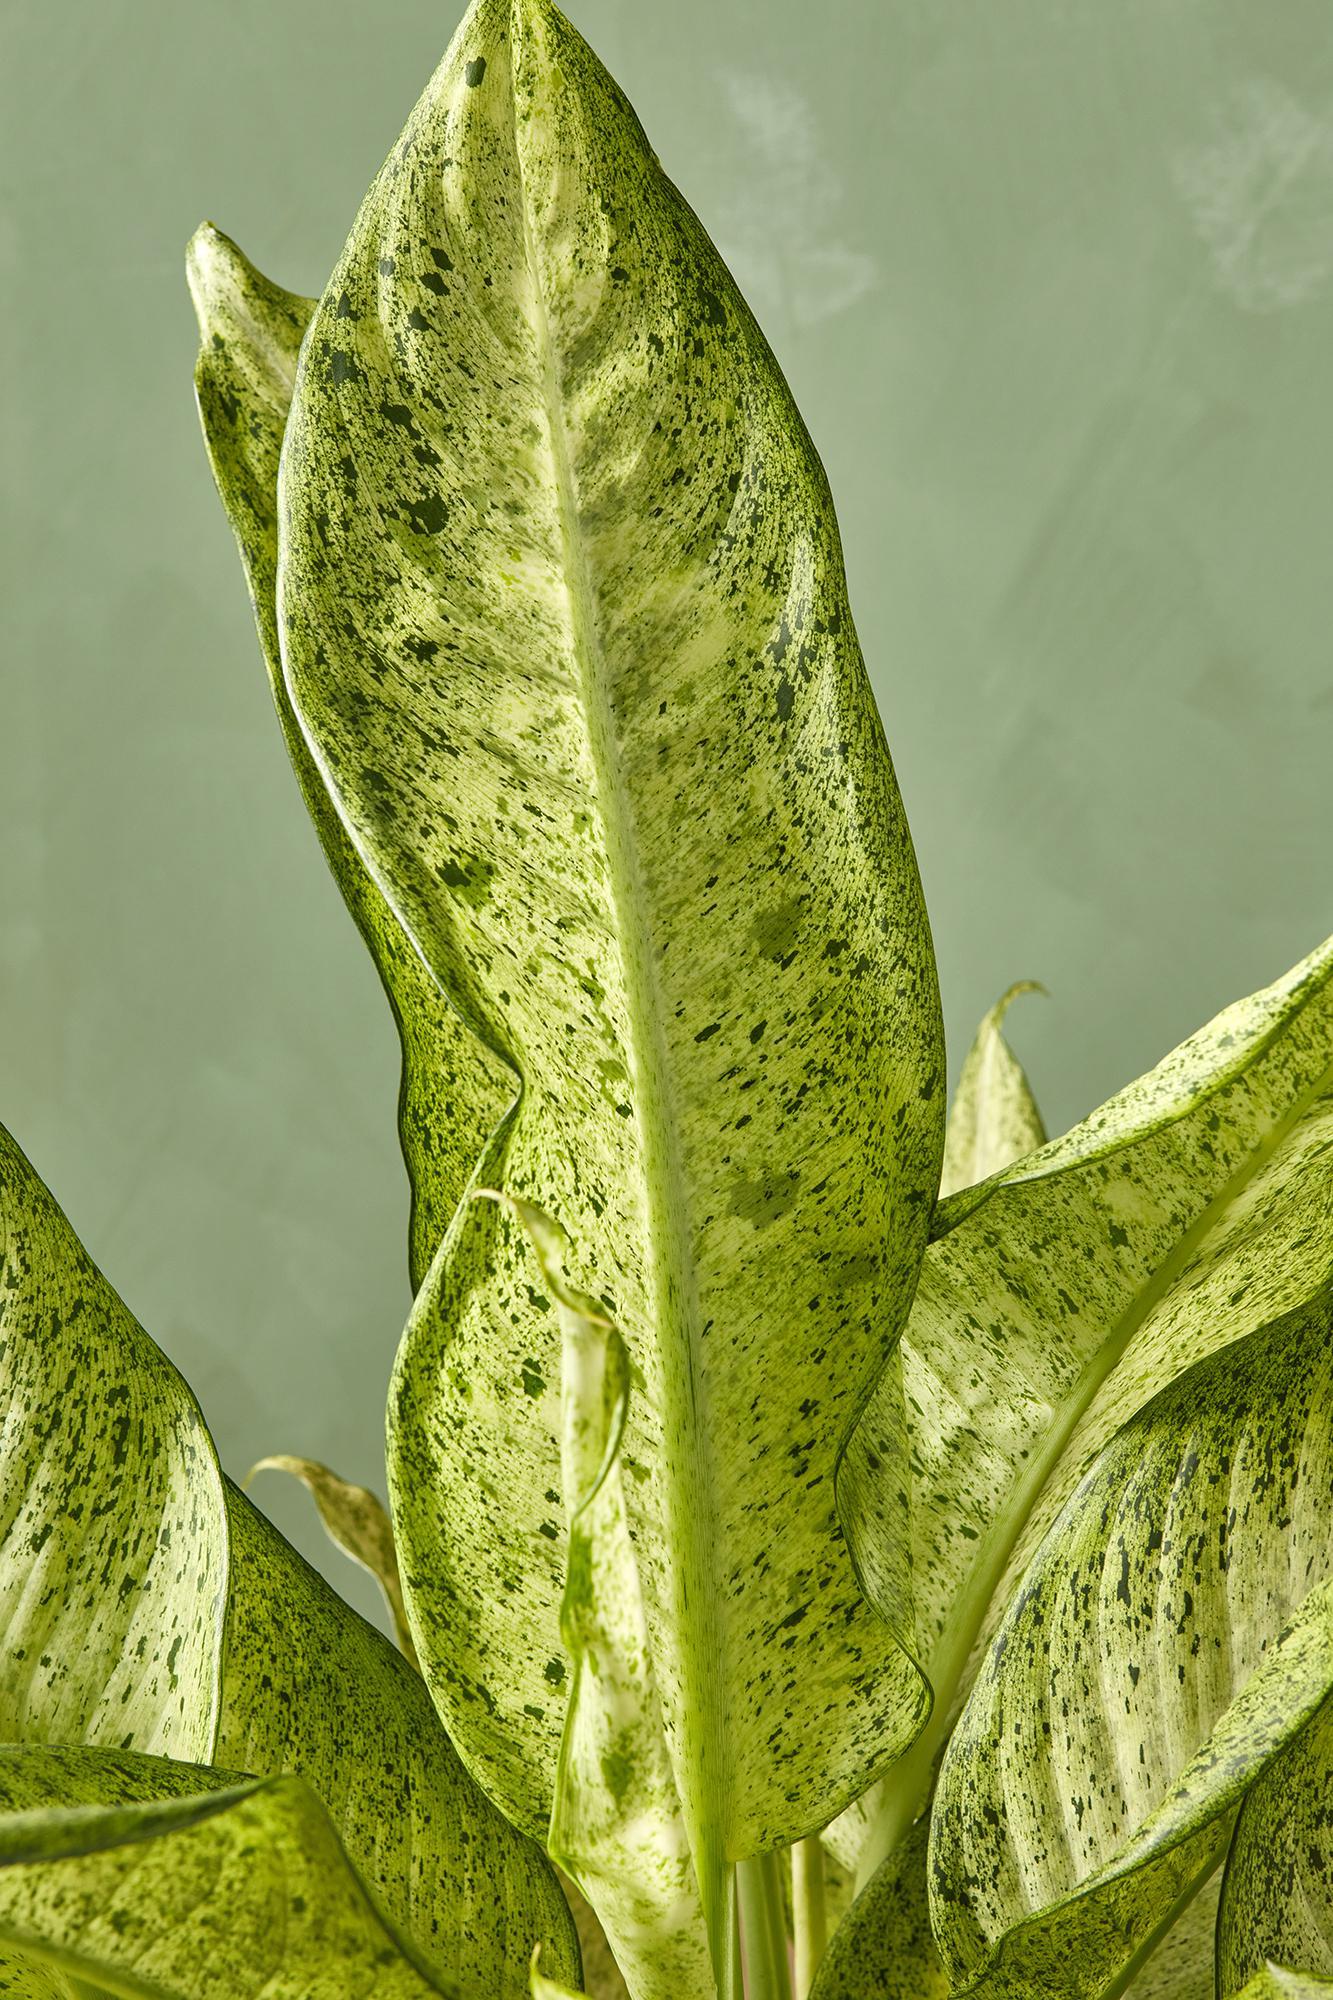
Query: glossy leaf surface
[1173,1632]
[564,619]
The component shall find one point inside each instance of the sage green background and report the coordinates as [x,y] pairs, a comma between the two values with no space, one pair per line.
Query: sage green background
[1053,283]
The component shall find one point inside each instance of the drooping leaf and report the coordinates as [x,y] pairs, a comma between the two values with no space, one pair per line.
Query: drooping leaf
[564,617]
[993,1119]
[1064,1292]
[148,1603]
[616,1825]
[1277,1896]
[357,1521]
[884,1948]
[452,1094]
[1173,1632]
[176,1883]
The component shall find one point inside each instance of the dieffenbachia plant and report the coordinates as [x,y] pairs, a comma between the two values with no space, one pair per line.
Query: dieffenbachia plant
[788,1499]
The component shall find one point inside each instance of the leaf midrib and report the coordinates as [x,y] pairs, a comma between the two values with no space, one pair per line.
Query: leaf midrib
[689,1490]
[947,1664]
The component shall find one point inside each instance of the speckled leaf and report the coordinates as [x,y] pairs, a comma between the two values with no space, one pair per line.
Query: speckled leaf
[564,618]
[251,332]
[616,1827]
[993,1119]
[1277,1898]
[1069,1288]
[113,1534]
[356,1521]
[884,1948]
[1173,1632]
[175,1883]
[309,1688]
[149,1604]
[1183,1965]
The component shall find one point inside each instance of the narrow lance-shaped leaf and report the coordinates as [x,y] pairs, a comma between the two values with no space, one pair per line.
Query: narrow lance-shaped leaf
[174,1883]
[149,1604]
[356,1521]
[616,1824]
[1173,1632]
[564,620]
[452,1094]
[1068,1289]
[993,1119]
[1277,1897]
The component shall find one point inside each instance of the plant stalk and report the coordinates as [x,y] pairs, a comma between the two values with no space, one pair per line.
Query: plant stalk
[763,1929]
[808,1913]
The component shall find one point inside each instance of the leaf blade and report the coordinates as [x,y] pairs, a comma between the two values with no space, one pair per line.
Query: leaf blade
[993,1119]
[521,609]
[177,1883]
[451,1095]
[1168,1640]
[286,1678]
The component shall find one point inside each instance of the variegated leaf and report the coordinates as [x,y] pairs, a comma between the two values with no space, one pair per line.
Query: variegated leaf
[452,1094]
[356,1521]
[1277,1898]
[1066,1290]
[884,1948]
[993,1119]
[1173,1632]
[616,1827]
[169,1882]
[149,1606]
[564,620]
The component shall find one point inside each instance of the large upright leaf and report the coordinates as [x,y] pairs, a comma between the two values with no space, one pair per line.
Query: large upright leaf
[172,1883]
[251,331]
[564,620]
[1064,1292]
[1173,1632]
[150,1605]
[1277,1897]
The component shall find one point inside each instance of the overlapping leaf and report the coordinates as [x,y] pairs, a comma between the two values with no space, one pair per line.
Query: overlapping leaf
[1173,1632]
[452,1094]
[174,1883]
[1277,1897]
[1065,1291]
[616,1827]
[564,621]
[149,1606]
[884,1948]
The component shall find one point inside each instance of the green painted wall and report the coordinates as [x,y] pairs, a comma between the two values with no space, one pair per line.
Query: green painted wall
[1053,283]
